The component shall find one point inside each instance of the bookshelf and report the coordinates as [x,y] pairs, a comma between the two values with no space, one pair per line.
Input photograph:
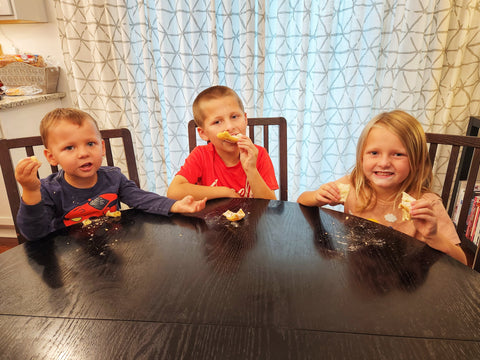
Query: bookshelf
[473,129]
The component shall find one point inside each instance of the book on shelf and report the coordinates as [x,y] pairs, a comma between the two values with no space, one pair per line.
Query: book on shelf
[472,218]
[459,199]
[476,235]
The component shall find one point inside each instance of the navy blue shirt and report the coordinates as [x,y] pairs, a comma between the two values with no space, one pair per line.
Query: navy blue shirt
[64,205]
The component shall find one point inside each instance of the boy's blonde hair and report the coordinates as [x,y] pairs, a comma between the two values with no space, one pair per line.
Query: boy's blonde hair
[213,92]
[412,136]
[52,118]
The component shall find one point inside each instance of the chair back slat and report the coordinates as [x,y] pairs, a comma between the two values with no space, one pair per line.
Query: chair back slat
[29,150]
[28,144]
[452,165]
[432,151]
[266,125]
[265,137]
[108,152]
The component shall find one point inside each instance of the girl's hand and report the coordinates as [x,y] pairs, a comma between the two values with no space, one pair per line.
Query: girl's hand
[248,153]
[328,193]
[26,174]
[424,219]
[188,205]
[425,222]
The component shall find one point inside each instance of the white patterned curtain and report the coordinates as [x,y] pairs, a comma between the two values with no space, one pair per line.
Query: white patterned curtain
[326,66]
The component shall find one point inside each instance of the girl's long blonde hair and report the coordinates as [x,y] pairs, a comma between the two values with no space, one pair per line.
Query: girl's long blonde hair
[412,136]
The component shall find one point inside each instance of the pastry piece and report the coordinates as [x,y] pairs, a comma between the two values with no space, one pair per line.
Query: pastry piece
[34,158]
[344,189]
[232,216]
[406,205]
[225,135]
[113,213]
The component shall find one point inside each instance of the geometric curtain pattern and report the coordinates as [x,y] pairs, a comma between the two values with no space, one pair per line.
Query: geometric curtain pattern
[326,66]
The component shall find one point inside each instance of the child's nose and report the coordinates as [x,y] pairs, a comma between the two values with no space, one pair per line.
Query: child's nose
[82,151]
[385,161]
[229,125]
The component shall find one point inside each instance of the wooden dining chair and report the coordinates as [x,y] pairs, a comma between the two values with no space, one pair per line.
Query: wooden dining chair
[7,146]
[463,165]
[262,126]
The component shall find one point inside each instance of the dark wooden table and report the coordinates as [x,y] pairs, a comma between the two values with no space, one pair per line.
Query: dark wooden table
[286,282]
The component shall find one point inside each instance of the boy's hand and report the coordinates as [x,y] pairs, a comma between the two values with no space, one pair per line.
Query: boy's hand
[26,174]
[188,205]
[248,152]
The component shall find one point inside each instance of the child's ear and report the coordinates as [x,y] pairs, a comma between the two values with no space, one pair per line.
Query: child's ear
[103,147]
[50,158]
[202,134]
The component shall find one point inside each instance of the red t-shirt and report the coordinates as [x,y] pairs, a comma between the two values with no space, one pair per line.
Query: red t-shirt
[204,167]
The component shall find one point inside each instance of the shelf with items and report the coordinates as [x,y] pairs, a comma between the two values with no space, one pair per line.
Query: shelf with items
[471,236]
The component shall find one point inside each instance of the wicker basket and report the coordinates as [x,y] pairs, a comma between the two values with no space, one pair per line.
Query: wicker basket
[21,74]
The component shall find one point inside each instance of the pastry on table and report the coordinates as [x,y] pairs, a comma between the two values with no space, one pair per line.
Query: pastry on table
[234,216]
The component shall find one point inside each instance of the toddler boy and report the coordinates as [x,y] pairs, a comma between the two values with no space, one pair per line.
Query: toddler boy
[82,188]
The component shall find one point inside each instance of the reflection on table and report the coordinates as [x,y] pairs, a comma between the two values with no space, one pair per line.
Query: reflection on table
[287,281]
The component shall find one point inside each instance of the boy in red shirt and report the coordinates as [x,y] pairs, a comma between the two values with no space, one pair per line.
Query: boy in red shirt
[224,168]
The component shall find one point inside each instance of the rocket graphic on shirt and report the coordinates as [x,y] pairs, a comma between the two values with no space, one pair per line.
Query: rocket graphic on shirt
[95,207]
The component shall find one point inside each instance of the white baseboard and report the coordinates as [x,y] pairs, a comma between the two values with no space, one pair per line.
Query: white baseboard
[7,229]
[6,221]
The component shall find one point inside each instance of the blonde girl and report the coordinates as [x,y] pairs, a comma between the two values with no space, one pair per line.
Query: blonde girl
[392,158]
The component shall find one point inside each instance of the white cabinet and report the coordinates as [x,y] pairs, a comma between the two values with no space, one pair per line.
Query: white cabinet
[22,11]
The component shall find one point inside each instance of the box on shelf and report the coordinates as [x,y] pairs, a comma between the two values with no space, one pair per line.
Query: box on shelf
[21,74]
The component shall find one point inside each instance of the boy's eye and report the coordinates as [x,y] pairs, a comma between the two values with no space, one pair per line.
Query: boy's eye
[373,153]
[69,147]
[91,143]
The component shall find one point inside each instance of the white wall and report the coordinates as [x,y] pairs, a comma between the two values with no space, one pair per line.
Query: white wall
[42,39]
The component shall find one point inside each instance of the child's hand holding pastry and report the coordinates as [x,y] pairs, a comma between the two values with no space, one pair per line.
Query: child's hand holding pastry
[248,153]
[328,194]
[421,212]
[424,219]
[26,175]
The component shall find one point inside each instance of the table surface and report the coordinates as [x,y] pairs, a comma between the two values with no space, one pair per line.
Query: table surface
[287,281]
